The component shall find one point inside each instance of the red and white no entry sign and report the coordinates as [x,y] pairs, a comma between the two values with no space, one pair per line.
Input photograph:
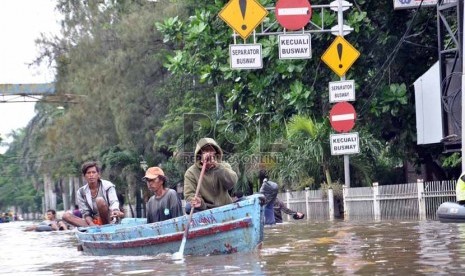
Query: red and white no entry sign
[342,117]
[293,14]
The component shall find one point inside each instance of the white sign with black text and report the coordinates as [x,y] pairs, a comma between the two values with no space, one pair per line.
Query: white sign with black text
[413,4]
[295,46]
[246,56]
[341,91]
[345,143]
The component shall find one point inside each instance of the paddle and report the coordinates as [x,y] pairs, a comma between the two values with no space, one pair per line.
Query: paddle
[179,255]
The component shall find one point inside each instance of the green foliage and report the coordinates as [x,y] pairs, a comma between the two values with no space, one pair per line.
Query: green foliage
[129,72]
[16,185]
[393,99]
[452,161]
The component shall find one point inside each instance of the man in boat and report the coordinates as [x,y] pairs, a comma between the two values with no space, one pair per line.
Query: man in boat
[219,178]
[460,189]
[165,203]
[50,224]
[97,200]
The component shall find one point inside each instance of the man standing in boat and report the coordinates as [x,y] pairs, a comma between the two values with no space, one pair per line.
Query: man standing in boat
[219,178]
[165,203]
[97,199]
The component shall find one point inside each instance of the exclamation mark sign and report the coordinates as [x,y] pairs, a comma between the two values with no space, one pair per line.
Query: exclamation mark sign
[339,53]
[243,6]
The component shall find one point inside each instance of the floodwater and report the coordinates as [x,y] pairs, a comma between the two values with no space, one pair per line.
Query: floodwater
[295,248]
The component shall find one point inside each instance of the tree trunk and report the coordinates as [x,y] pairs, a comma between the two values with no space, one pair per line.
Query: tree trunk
[328,177]
[50,198]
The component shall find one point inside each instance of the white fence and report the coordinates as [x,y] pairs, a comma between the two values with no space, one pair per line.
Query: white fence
[410,201]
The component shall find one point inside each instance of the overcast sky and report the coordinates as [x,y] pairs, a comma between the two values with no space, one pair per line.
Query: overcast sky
[21,22]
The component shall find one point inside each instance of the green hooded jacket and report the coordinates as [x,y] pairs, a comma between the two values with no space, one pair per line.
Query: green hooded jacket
[216,181]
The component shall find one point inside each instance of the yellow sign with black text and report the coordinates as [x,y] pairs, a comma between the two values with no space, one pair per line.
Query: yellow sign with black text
[243,16]
[340,56]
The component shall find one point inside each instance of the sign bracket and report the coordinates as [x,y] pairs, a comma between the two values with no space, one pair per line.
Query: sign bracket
[265,27]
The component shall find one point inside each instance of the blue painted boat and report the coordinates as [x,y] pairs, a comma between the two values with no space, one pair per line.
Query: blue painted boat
[236,227]
[451,212]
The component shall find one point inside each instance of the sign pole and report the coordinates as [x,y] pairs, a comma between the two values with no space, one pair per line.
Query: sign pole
[340,22]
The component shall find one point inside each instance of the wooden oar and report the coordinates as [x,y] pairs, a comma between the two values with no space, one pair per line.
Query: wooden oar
[179,255]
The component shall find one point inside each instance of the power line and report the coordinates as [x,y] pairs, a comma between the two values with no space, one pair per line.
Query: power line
[387,63]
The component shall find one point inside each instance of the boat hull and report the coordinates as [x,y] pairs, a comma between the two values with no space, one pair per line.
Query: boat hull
[451,212]
[232,228]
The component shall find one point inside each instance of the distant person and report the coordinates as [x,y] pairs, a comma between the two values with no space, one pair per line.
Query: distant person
[460,189]
[77,212]
[279,206]
[165,203]
[50,224]
[97,199]
[219,178]
[5,217]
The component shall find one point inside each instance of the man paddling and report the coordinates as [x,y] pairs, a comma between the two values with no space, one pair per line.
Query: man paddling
[218,180]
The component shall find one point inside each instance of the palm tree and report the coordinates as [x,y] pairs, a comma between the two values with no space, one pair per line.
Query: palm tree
[310,149]
[310,152]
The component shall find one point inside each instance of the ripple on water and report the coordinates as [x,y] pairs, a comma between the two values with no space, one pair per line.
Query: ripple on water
[303,247]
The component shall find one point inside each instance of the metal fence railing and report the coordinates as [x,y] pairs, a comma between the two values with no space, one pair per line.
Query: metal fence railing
[409,201]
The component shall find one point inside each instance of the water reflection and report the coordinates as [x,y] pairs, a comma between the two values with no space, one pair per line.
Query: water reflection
[306,248]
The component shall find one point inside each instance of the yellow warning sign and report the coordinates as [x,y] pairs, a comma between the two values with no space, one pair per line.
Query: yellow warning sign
[243,16]
[340,56]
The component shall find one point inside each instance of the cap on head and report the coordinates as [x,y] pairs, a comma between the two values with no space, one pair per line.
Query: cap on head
[153,172]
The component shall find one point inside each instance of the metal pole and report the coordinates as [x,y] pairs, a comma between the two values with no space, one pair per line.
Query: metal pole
[340,22]
[217,101]
[461,5]
[340,18]
[138,202]
[139,196]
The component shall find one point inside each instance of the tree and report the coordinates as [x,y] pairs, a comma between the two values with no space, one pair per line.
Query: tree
[125,101]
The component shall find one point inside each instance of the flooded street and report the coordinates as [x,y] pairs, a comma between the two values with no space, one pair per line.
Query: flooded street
[297,248]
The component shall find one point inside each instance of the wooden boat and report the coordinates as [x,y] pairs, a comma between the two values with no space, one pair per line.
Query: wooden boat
[236,227]
[451,212]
